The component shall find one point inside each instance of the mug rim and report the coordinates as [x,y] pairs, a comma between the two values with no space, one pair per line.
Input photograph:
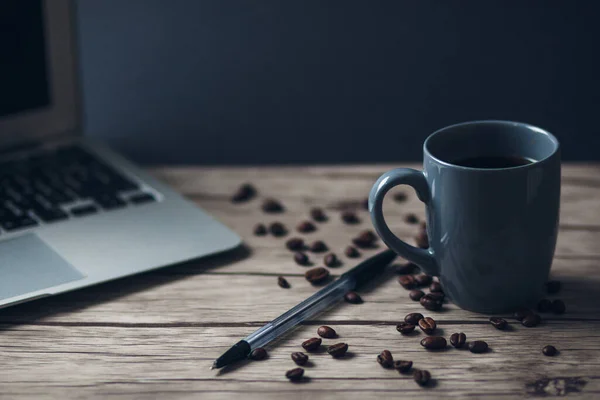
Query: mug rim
[534,128]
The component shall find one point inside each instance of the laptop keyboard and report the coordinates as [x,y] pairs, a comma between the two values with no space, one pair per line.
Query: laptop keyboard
[57,185]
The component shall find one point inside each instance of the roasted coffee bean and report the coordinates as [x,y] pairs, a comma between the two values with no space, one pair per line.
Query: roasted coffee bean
[498,323]
[385,359]
[272,206]
[368,235]
[422,377]
[244,193]
[318,214]
[544,306]
[295,244]
[316,275]
[277,229]
[337,350]
[311,344]
[427,325]
[326,332]
[301,258]
[331,260]
[521,314]
[282,282]
[318,246]
[295,374]
[422,240]
[531,320]
[458,340]
[365,240]
[405,328]
[413,318]
[478,346]
[549,351]
[431,303]
[405,269]
[434,342]
[260,230]
[407,281]
[437,296]
[553,287]
[403,366]
[365,204]
[258,354]
[435,287]
[299,358]
[350,217]
[558,307]
[353,298]
[306,227]
[423,279]
[415,295]
[411,218]
[400,197]
[351,252]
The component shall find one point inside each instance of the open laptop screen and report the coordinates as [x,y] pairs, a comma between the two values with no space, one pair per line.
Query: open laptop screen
[23,69]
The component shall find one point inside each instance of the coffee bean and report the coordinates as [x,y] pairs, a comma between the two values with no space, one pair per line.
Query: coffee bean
[423,279]
[318,214]
[258,354]
[411,218]
[260,230]
[272,206]
[337,350]
[295,244]
[349,217]
[295,374]
[282,282]
[407,281]
[316,275]
[413,318]
[458,340]
[434,343]
[400,197]
[385,359]
[544,306]
[331,260]
[427,325]
[405,269]
[311,344]
[415,295]
[351,252]
[277,229]
[549,351]
[299,358]
[498,323]
[437,296]
[422,377]
[366,239]
[531,320]
[365,204]
[244,193]
[553,287]
[478,346]
[558,307]
[435,287]
[306,227]
[301,258]
[431,303]
[403,366]
[318,246]
[422,240]
[405,328]
[353,298]
[326,332]
[521,314]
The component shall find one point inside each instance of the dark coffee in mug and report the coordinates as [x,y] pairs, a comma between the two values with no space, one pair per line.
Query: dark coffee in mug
[493,162]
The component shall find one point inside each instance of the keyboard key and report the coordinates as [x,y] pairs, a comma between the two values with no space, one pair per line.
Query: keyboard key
[109,201]
[80,211]
[18,223]
[141,198]
[51,214]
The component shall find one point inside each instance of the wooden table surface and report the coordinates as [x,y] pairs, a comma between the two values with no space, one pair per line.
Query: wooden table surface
[155,335]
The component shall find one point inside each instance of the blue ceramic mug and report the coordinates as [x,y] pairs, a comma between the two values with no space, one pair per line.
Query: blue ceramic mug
[492,192]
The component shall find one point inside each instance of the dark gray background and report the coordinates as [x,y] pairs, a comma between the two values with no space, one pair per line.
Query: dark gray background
[318,81]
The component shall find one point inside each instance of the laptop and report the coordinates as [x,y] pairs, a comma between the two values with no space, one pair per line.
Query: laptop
[72,212]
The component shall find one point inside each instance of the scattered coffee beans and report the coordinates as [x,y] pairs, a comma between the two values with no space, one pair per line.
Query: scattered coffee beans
[405,328]
[301,258]
[434,343]
[277,229]
[531,320]
[326,332]
[498,323]
[427,325]
[244,193]
[272,206]
[258,354]
[413,318]
[553,287]
[411,218]
[260,230]
[311,344]
[318,215]
[558,307]
[295,374]
[403,366]
[422,240]
[295,244]
[435,287]
[415,295]
[351,252]
[318,246]
[549,351]
[306,227]
[400,197]
[331,260]
[431,303]
[478,346]
[405,269]
[349,217]
[316,275]
[422,377]
[385,359]
[407,281]
[337,350]
[521,314]
[365,240]
[544,306]
[458,340]
[423,279]
[299,358]
[282,282]
[353,298]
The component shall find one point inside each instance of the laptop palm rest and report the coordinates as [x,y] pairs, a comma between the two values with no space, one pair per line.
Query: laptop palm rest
[27,264]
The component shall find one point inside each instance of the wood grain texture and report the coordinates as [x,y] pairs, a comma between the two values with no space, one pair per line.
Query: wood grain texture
[156,334]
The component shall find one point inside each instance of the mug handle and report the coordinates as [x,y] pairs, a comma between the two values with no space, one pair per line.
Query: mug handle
[424,258]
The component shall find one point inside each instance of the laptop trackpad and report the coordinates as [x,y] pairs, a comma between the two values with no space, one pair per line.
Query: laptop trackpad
[28,264]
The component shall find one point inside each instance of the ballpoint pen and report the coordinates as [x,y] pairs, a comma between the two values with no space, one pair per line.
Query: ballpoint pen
[316,303]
